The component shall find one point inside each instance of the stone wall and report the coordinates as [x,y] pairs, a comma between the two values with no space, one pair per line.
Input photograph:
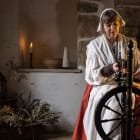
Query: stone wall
[88,18]
[130,11]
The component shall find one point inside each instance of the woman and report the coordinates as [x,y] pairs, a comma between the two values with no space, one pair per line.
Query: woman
[103,54]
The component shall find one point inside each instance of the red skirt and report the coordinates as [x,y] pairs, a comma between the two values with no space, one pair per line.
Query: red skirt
[79,133]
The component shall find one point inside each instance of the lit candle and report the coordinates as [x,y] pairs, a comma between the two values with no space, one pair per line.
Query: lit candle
[31,47]
[31,53]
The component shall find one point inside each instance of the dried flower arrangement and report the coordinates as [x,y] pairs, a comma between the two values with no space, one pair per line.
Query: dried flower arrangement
[28,112]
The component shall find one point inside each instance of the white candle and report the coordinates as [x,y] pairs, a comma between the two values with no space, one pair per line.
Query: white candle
[31,47]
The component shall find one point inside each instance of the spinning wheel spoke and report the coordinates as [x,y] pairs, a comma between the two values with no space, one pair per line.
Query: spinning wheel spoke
[109,108]
[109,120]
[117,98]
[117,126]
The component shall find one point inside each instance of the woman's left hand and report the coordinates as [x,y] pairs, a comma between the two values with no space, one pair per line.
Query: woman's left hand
[137,73]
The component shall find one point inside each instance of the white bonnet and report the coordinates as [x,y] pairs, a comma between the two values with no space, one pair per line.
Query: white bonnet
[99,29]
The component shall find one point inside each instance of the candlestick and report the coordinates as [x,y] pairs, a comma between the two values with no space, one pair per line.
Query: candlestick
[22,58]
[31,54]
[31,59]
[31,47]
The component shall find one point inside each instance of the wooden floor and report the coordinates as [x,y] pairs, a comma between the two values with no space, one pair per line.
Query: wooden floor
[61,138]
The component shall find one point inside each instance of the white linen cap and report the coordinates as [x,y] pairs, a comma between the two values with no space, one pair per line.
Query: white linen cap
[99,29]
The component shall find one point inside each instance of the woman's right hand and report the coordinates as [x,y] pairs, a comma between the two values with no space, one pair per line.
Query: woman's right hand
[120,66]
[116,67]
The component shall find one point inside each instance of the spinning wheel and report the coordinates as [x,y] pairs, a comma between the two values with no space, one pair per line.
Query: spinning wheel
[124,115]
[120,116]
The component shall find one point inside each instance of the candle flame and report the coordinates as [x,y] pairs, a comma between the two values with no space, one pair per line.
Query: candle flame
[31,47]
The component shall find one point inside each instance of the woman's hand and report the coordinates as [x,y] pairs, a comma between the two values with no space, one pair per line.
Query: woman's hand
[116,67]
[119,66]
[137,73]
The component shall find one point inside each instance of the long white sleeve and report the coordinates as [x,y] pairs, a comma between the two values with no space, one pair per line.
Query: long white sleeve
[94,64]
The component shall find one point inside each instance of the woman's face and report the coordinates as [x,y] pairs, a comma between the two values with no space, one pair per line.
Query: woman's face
[112,30]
